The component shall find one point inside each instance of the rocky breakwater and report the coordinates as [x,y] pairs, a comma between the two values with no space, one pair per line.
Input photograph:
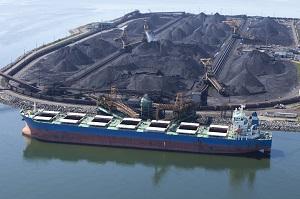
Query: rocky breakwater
[280,126]
[24,103]
[290,126]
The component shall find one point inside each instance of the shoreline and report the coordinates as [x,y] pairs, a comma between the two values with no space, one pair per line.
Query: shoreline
[23,102]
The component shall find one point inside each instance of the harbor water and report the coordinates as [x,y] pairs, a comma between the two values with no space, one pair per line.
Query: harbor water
[33,169]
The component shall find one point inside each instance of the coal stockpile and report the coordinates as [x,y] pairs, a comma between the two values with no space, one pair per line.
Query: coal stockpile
[169,64]
[136,27]
[269,31]
[256,72]
[155,66]
[57,66]
[208,31]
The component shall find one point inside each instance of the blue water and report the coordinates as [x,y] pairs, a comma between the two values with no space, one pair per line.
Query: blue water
[32,169]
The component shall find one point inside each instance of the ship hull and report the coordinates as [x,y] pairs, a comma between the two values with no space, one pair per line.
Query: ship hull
[74,134]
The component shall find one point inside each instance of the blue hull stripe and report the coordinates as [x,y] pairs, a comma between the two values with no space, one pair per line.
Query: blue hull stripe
[66,128]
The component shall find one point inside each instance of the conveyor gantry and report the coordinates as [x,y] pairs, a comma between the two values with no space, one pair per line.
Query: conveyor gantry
[24,84]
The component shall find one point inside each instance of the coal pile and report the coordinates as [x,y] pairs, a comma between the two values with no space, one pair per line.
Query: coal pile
[170,64]
[57,66]
[268,31]
[252,73]
[137,26]
[204,30]
[156,66]
[62,63]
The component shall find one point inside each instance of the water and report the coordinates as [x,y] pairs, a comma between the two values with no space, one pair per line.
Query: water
[32,169]
[26,24]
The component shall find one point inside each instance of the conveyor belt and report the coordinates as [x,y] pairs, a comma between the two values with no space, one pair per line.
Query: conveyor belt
[24,84]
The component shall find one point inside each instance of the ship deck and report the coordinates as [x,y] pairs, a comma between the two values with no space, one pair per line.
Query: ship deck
[134,124]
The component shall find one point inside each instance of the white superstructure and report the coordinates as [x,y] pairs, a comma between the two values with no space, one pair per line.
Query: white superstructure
[243,126]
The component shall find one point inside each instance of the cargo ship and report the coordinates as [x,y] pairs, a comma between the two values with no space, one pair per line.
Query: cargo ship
[241,137]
